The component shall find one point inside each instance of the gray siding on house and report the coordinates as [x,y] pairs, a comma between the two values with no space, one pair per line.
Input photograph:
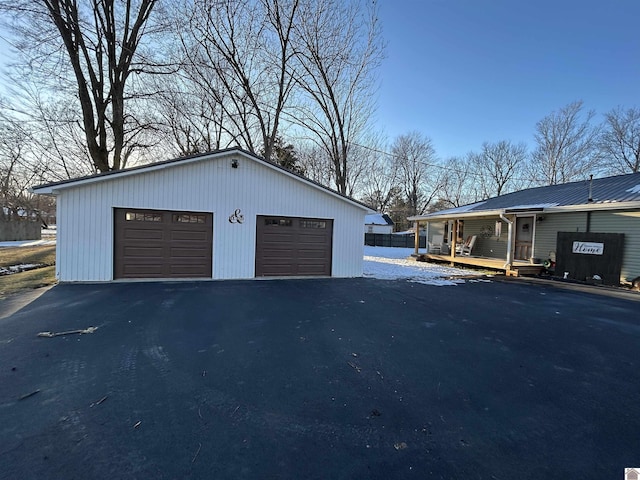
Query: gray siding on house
[492,246]
[435,228]
[547,231]
[627,222]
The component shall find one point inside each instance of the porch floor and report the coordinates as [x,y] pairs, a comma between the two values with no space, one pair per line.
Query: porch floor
[519,267]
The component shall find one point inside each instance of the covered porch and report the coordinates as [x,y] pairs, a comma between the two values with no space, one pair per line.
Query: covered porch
[495,240]
[517,268]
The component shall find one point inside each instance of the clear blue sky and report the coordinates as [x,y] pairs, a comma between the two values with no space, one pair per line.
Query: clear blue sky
[468,71]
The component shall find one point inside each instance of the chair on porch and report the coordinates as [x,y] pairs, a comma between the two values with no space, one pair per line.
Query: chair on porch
[460,246]
[468,245]
[435,245]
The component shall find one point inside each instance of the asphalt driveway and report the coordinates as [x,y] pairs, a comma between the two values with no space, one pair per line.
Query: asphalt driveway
[320,379]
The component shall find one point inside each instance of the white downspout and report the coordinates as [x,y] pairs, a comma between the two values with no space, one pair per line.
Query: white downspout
[426,240]
[509,240]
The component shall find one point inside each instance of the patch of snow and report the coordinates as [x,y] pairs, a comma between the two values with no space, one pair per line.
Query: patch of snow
[23,267]
[387,263]
[438,282]
[635,189]
[27,243]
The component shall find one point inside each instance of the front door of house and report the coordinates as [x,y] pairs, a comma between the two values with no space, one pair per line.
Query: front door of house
[524,237]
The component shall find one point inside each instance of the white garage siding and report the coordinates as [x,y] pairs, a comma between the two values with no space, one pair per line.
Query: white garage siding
[86,224]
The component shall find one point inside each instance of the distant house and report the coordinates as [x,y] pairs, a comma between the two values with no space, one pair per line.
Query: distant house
[378,223]
[586,230]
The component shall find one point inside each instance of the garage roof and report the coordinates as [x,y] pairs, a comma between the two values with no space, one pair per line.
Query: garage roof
[56,187]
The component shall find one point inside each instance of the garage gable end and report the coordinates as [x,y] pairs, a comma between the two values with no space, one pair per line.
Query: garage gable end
[232,155]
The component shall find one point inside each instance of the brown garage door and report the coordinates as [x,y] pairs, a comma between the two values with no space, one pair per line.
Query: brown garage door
[288,246]
[162,244]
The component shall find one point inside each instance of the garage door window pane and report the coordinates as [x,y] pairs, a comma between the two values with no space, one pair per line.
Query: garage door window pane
[313,224]
[142,217]
[189,218]
[278,222]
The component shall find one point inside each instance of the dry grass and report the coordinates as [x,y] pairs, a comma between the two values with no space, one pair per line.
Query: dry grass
[17,255]
[27,280]
[33,278]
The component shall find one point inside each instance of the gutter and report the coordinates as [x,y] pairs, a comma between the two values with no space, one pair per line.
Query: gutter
[604,206]
[509,240]
[436,217]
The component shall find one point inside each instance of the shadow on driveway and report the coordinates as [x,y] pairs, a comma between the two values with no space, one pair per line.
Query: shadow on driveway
[317,379]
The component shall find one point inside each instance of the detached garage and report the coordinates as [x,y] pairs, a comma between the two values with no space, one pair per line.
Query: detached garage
[222,215]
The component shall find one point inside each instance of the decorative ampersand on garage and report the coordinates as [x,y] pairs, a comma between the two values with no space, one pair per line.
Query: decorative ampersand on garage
[236,217]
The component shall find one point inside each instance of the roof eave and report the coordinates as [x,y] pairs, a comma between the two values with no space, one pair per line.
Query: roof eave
[591,207]
[584,207]
[435,216]
[56,188]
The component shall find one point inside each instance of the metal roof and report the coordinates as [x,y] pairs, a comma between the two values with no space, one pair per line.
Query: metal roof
[608,192]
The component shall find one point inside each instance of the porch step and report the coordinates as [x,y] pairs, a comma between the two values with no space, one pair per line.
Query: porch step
[520,271]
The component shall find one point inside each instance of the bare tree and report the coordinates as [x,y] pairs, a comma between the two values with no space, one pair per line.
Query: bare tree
[497,166]
[17,173]
[419,173]
[566,146]
[99,43]
[620,141]
[50,143]
[380,187]
[239,52]
[459,185]
[190,118]
[338,49]
[315,163]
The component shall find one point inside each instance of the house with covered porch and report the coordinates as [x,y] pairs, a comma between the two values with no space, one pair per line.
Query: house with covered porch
[586,229]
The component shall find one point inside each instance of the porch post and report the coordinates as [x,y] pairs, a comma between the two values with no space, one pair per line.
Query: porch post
[453,234]
[426,238]
[416,242]
[510,240]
